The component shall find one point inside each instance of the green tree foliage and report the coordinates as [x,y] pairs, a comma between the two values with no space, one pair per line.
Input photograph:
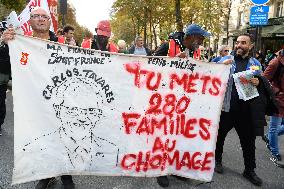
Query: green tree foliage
[17,5]
[157,18]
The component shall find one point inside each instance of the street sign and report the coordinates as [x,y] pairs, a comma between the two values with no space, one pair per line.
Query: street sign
[259,15]
[259,9]
[259,2]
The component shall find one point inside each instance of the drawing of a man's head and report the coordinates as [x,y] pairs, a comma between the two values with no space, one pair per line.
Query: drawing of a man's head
[78,105]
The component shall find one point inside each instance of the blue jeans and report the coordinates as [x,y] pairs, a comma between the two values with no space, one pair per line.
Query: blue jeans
[276,128]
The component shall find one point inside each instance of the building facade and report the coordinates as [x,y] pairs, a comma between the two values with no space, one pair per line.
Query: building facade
[269,37]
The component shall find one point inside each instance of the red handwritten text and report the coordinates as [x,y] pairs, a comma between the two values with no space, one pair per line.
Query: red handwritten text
[189,82]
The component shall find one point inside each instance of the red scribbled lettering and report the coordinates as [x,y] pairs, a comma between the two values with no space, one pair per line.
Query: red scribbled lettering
[158,145]
[170,104]
[134,68]
[148,161]
[150,77]
[155,103]
[162,124]
[168,125]
[196,163]
[125,158]
[127,122]
[143,126]
[207,161]
[216,83]
[189,83]
[205,79]
[189,127]
[182,100]
[169,149]
[204,126]
[185,161]
[175,78]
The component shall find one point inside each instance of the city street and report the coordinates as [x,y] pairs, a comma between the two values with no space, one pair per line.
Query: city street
[273,177]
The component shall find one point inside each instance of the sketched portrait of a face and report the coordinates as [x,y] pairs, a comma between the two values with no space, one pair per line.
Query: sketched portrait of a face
[78,105]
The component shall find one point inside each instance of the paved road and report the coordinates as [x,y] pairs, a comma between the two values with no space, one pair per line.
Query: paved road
[272,176]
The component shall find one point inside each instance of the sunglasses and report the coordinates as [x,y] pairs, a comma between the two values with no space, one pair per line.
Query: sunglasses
[226,50]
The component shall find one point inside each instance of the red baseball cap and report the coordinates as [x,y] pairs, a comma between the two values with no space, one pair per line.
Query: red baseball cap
[103,28]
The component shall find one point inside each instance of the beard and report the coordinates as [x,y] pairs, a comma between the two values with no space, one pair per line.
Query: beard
[194,46]
[241,52]
[103,41]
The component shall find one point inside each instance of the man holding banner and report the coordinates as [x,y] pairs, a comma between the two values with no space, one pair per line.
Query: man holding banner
[5,72]
[238,113]
[40,23]
[194,36]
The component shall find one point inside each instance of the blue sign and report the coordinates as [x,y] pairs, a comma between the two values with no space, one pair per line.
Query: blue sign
[258,19]
[259,9]
[259,15]
[259,2]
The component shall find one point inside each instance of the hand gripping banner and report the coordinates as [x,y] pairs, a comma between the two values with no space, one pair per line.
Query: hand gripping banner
[84,112]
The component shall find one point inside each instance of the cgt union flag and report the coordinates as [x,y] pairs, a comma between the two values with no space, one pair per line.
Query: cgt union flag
[79,111]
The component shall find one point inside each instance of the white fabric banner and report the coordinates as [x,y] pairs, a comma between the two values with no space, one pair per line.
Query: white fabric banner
[79,111]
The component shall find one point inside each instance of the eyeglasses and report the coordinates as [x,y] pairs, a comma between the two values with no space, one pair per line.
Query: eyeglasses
[38,16]
[76,111]
[226,50]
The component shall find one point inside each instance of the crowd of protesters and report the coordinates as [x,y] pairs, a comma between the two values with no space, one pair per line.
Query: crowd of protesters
[247,117]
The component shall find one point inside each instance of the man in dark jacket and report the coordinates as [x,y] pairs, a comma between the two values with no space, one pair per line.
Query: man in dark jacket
[40,23]
[237,113]
[275,74]
[184,44]
[5,72]
[194,36]
[138,48]
[173,46]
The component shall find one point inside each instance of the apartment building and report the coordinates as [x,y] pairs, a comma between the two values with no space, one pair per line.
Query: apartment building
[269,37]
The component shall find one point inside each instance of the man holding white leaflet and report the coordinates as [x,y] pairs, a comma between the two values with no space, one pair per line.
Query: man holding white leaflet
[40,23]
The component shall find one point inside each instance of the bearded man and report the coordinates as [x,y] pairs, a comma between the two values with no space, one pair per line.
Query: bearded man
[237,113]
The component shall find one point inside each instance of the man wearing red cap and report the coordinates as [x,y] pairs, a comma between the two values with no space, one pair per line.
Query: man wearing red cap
[101,40]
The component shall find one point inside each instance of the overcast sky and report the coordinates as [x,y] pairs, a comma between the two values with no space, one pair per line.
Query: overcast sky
[90,12]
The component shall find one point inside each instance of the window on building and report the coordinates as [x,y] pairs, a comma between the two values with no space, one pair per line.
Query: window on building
[240,19]
[224,41]
[279,8]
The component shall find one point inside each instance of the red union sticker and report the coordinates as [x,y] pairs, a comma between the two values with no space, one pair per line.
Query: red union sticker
[24,59]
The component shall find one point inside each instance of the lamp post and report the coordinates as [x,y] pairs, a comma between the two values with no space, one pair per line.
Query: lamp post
[63,10]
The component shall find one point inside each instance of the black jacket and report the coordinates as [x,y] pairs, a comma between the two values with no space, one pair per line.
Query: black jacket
[5,65]
[264,104]
[132,49]
[162,50]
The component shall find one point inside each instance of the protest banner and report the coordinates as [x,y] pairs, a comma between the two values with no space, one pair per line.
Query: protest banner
[79,111]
